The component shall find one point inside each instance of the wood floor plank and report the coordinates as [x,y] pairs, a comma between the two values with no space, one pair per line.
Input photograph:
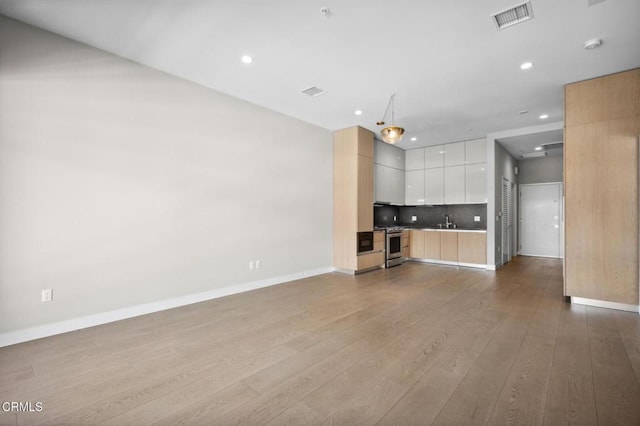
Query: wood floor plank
[523,396]
[381,326]
[345,322]
[146,386]
[422,403]
[426,339]
[570,396]
[416,344]
[474,399]
[628,324]
[192,404]
[524,393]
[296,415]
[368,407]
[430,393]
[8,418]
[278,396]
[633,351]
[616,387]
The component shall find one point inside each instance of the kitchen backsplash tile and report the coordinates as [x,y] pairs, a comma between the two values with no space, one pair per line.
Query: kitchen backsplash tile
[386,215]
[430,216]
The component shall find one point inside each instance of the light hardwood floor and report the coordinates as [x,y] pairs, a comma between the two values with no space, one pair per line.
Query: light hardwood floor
[417,344]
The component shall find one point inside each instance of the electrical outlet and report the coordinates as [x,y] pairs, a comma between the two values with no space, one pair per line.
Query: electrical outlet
[258,264]
[251,264]
[414,218]
[476,218]
[47,295]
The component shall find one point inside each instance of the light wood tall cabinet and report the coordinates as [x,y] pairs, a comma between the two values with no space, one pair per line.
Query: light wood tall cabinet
[602,124]
[352,195]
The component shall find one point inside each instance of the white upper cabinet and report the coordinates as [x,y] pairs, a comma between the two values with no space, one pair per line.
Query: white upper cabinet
[476,183]
[389,185]
[414,159]
[414,187]
[397,186]
[388,173]
[453,173]
[381,185]
[434,186]
[476,151]
[434,156]
[454,154]
[454,183]
[388,155]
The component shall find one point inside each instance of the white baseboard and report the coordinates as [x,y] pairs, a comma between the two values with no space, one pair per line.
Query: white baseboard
[605,304]
[491,267]
[472,265]
[13,337]
[539,255]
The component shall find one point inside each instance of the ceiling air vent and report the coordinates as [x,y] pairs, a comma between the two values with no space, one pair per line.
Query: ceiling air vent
[513,16]
[552,145]
[534,154]
[314,91]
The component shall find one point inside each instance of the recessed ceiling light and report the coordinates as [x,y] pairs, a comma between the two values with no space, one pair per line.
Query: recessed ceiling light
[544,116]
[526,65]
[414,139]
[246,59]
[538,148]
[358,112]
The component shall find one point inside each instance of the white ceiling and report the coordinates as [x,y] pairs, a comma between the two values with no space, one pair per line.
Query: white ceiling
[455,75]
[525,144]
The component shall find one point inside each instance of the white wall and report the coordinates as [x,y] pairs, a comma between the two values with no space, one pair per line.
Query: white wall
[121,185]
[540,170]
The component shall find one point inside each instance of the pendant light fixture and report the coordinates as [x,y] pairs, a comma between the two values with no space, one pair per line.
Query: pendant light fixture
[391,134]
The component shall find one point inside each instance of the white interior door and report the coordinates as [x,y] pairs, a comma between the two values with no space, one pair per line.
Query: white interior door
[541,220]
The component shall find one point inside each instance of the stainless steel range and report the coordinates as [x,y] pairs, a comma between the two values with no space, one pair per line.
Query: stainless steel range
[393,246]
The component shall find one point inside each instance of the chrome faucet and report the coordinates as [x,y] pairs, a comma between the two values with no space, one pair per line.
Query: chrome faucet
[447,221]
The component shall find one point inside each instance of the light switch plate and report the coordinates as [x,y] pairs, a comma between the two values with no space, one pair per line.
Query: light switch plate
[476,218]
[414,218]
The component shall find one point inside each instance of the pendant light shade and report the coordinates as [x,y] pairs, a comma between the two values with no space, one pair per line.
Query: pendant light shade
[391,134]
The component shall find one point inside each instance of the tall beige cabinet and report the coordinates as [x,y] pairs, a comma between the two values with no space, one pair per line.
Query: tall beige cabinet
[602,124]
[352,197]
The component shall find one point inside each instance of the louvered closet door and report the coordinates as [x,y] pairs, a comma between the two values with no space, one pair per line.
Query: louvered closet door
[506,220]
